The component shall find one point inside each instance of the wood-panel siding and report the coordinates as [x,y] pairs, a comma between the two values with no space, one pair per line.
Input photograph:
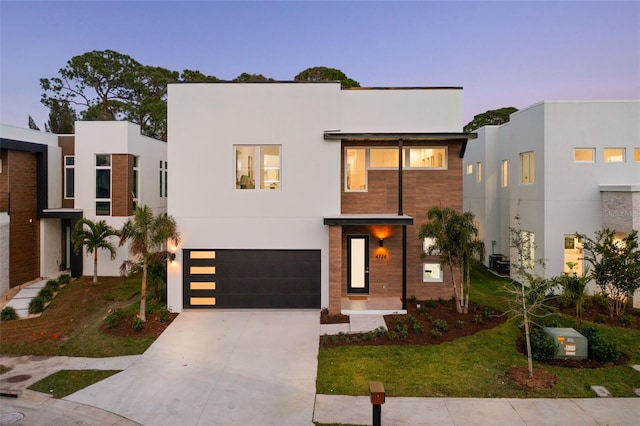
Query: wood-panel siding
[422,189]
[122,185]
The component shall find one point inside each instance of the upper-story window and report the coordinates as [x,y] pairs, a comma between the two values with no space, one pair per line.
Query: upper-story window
[584,155]
[636,154]
[103,184]
[69,175]
[613,155]
[358,160]
[469,169]
[257,166]
[505,173]
[163,173]
[136,182]
[478,172]
[527,164]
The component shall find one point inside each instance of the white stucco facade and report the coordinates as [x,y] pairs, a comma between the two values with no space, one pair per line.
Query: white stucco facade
[566,195]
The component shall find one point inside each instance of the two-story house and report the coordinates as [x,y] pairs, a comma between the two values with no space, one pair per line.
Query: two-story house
[48,182]
[306,195]
[561,167]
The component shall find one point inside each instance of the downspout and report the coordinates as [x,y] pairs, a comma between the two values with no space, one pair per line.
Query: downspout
[404,228]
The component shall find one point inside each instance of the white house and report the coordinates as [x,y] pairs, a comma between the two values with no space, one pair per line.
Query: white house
[286,194]
[562,167]
[48,182]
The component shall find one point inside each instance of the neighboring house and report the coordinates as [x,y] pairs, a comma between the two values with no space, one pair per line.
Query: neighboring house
[48,182]
[561,167]
[286,194]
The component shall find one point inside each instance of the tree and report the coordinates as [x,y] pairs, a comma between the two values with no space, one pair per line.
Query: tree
[456,242]
[32,124]
[251,77]
[574,289]
[148,235]
[99,81]
[490,118]
[93,236]
[197,76]
[616,266]
[62,118]
[528,295]
[324,74]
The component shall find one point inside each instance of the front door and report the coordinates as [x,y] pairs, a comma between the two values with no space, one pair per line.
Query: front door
[357,264]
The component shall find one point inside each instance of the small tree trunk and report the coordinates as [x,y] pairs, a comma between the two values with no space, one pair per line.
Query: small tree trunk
[526,333]
[143,293]
[95,266]
[456,292]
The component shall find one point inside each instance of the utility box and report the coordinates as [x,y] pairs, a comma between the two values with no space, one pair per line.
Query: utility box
[571,344]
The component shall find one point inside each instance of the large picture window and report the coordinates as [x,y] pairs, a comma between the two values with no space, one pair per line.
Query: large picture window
[69,175]
[257,167]
[103,185]
[527,163]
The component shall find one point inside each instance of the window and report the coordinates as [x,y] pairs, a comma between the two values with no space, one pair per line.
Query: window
[163,179]
[527,164]
[528,255]
[427,244]
[359,160]
[584,155]
[103,184]
[263,158]
[478,172]
[356,169]
[432,272]
[469,169]
[614,155]
[136,182]
[69,172]
[636,154]
[505,173]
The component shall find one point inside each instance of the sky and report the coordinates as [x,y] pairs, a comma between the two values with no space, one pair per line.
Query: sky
[503,53]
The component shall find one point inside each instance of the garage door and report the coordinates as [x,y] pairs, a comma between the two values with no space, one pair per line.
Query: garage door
[283,279]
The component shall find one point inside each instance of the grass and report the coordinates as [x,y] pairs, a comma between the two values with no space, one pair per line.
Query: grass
[472,366]
[66,382]
[75,316]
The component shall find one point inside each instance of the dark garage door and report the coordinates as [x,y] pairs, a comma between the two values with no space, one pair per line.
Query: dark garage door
[252,279]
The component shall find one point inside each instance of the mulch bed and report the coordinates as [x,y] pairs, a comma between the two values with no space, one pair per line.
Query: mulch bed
[458,325]
[542,379]
[152,327]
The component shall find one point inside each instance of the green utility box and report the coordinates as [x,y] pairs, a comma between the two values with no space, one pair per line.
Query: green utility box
[571,344]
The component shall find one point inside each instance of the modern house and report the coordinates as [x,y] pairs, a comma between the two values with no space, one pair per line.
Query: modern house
[561,167]
[48,182]
[306,195]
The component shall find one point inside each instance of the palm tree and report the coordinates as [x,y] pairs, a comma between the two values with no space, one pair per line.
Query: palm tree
[148,235]
[94,236]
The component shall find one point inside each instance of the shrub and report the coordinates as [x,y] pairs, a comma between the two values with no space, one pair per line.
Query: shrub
[477,319]
[436,333]
[543,347]
[54,285]
[113,318]
[441,325]
[137,324]
[36,305]
[8,314]
[412,299]
[602,318]
[460,324]
[392,335]
[46,293]
[626,319]
[163,314]
[430,303]
[599,348]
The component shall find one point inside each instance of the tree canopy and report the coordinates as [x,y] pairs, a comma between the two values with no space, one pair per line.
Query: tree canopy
[325,74]
[490,118]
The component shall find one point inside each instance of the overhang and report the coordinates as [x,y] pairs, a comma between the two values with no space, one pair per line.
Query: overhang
[463,137]
[368,219]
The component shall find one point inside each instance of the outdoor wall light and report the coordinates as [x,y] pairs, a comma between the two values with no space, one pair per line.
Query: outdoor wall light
[172,257]
[381,242]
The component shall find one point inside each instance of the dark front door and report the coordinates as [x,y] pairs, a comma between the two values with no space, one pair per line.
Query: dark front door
[358,264]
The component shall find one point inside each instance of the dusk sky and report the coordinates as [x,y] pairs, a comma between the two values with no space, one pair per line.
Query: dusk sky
[513,53]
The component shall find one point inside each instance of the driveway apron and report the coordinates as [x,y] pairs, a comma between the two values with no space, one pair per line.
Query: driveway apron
[248,367]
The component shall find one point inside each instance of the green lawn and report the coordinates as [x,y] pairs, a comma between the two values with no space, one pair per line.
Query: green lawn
[472,366]
[66,382]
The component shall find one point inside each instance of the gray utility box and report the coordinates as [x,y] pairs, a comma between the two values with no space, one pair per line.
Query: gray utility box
[571,344]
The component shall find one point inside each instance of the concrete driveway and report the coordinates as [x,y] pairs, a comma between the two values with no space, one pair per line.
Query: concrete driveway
[249,367]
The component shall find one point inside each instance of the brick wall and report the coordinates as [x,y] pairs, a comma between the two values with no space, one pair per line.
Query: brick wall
[422,189]
[24,255]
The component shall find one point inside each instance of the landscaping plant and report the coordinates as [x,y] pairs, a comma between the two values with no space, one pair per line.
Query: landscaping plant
[8,314]
[574,289]
[93,236]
